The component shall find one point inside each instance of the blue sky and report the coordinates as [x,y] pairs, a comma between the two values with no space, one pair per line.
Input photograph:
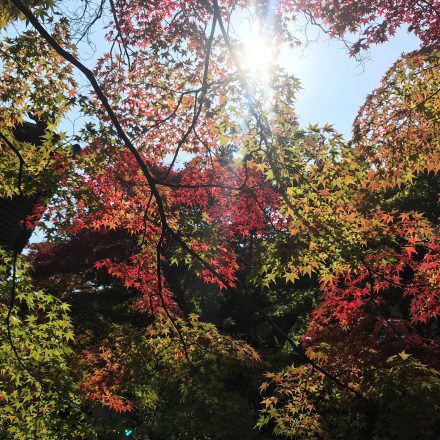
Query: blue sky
[334,85]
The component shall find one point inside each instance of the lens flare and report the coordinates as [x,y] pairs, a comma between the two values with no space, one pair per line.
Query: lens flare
[258,56]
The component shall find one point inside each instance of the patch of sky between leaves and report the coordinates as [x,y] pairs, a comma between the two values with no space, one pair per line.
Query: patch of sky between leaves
[334,86]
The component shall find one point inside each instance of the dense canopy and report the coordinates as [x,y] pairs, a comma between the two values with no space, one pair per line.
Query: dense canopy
[211,269]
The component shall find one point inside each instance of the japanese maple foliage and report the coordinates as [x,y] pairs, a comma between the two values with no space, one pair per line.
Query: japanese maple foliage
[374,21]
[189,162]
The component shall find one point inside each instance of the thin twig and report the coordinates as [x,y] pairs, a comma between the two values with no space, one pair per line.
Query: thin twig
[20,159]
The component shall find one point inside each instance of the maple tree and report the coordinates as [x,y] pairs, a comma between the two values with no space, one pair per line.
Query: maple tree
[297,223]
[372,22]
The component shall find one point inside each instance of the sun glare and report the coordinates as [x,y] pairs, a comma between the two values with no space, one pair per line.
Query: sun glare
[258,57]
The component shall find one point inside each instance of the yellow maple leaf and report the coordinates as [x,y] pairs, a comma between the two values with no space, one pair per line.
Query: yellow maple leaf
[404,355]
